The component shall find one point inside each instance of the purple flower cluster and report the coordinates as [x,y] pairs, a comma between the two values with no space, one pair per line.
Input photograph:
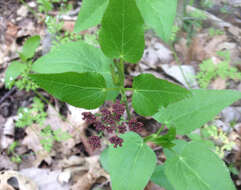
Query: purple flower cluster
[115,140]
[94,141]
[110,121]
[135,126]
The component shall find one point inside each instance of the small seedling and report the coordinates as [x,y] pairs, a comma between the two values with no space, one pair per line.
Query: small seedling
[49,136]
[29,116]
[14,156]
[21,69]
[209,70]
[215,32]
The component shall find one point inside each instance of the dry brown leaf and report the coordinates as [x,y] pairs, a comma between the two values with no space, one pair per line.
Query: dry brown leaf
[32,141]
[211,47]
[152,186]
[11,180]
[68,25]
[86,181]
[45,179]
[7,133]
[219,84]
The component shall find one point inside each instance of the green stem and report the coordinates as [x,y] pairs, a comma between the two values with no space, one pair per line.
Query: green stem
[155,135]
[129,89]
[180,68]
[120,69]
[124,99]
[159,130]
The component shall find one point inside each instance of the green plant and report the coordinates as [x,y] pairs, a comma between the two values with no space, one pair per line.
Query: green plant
[216,138]
[215,32]
[209,70]
[207,3]
[22,67]
[193,22]
[86,76]
[48,136]
[29,116]
[36,115]
[11,151]
[220,139]
[47,5]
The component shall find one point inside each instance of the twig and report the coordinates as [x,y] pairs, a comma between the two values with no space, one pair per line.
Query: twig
[7,94]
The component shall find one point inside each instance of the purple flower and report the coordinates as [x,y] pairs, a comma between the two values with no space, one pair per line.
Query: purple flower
[122,129]
[116,141]
[99,126]
[134,125]
[118,110]
[94,141]
[89,117]
[110,129]
[107,116]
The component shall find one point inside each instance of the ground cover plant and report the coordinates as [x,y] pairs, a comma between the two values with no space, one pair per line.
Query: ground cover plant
[86,76]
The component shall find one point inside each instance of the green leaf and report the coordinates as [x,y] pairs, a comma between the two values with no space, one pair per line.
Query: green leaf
[166,140]
[159,178]
[77,57]
[85,90]
[159,15]
[150,93]
[197,167]
[193,112]
[131,165]
[30,47]
[104,159]
[90,14]
[13,71]
[122,31]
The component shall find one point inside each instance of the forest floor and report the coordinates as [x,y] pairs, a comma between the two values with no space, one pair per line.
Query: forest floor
[72,164]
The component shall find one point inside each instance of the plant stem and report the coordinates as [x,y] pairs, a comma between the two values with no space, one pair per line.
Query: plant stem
[124,99]
[120,68]
[129,89]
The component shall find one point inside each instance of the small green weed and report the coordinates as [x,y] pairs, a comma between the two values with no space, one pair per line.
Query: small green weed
[22,68]
[29,116]
[220,139]
[193,22]
[215,32]
[48,136]
[14,156]
[37,115]
[210,71]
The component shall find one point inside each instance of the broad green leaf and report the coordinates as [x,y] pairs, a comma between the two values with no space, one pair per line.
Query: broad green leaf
[91,13]
[30,47]
[159,178]
[150,93]
[104,159]
[77,57]
[193,112]
[159,15]
[13,71]
[85,90]
[122,31]
[131,165]
[197,167]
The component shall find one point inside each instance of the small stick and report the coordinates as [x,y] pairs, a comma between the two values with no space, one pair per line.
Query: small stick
[7,94]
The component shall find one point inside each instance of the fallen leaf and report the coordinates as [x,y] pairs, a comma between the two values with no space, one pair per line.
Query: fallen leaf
[11,180]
